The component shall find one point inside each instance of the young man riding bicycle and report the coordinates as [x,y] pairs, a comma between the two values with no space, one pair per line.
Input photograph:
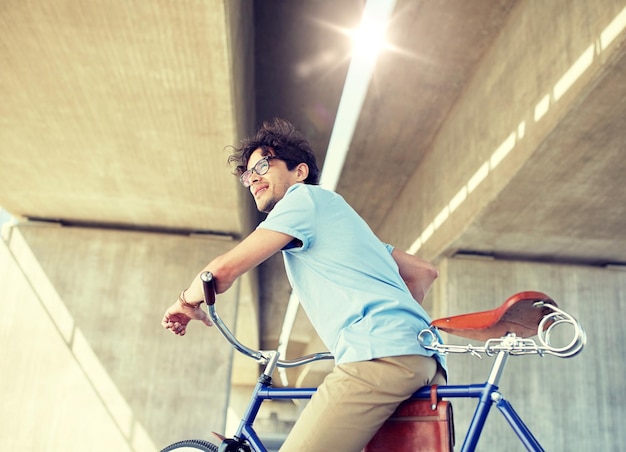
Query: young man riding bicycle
[362,296]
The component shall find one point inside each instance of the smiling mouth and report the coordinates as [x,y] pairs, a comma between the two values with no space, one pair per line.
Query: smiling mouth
[262,189]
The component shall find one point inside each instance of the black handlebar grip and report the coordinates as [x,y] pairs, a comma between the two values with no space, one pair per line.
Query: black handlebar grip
[208,283]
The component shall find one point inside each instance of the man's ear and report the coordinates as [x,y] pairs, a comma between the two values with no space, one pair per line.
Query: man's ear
[302,172]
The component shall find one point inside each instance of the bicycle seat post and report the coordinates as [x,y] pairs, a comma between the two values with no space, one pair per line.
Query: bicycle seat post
[498,365]
[489,395]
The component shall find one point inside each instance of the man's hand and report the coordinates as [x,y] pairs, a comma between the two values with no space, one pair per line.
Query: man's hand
[251,251]
[417,273]
[178,316]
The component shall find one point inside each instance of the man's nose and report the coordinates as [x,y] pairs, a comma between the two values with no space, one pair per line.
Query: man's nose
[254,177]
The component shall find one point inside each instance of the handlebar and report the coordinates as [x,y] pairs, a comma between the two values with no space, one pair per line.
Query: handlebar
[208,284]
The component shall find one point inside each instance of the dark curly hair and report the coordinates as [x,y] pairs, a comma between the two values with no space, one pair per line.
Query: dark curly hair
[287,143]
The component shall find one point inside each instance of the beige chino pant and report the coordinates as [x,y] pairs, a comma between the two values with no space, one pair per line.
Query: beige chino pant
[355,399]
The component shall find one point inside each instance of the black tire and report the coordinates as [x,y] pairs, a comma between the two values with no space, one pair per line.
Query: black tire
[192,444]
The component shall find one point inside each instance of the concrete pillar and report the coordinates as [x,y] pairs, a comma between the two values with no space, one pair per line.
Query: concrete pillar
[86,364]
[569,404]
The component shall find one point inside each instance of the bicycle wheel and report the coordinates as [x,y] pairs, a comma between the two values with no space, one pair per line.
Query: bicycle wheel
[191,445]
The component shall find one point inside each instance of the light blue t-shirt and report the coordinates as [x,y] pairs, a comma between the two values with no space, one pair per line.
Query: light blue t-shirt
[345,278]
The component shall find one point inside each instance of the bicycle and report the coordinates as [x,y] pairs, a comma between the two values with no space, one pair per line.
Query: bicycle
[505,331]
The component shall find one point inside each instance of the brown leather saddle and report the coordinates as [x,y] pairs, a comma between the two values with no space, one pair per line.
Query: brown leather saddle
[519,314]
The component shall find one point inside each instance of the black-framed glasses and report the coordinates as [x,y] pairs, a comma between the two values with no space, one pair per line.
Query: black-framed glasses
[261,167]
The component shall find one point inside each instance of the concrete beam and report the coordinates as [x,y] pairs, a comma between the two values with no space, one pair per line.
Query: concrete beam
[547,57]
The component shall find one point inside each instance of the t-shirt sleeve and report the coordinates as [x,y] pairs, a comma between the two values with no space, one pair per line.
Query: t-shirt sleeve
[293,215]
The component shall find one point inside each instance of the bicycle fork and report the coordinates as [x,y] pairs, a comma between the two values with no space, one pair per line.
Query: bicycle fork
[489,395]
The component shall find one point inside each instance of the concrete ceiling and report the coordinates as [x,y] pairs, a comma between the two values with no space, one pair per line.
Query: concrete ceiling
[117,114]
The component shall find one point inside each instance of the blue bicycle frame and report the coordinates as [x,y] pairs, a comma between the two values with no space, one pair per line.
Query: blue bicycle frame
[486,393]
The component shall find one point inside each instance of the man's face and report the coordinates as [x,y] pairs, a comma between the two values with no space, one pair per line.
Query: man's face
[269,188]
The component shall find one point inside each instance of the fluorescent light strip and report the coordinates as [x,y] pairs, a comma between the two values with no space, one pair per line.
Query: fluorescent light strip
[354,91]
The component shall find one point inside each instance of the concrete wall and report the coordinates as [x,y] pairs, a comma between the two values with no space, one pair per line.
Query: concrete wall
[86,364]
[574,404]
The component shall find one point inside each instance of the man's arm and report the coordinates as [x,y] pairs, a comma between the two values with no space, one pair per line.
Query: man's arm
[417,273]
[252,251]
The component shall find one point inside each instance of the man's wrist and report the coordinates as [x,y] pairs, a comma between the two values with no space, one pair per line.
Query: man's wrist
[184,303]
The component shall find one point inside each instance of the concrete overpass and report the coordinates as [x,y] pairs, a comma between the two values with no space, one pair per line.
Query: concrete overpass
[490,141]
